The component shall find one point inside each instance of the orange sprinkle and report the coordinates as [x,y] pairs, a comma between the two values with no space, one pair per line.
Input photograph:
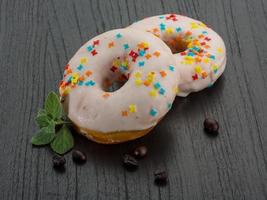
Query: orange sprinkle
[155,30]
[69,71]
[141,45]
[188,33]
[106,95]
[88,73]
[111,44]
[198,59]
[204,74]
[148,56]
[156,53]
[81,78]
[147,83]
[163,73]
[207,46]
[124,113]
[200,36]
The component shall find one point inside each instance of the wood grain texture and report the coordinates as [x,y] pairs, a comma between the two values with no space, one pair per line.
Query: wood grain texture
[38,37]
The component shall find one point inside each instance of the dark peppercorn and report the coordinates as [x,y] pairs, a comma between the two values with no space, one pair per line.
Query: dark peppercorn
[78,157]
[140,152]
[129,162]
[160,178]
[211,126]
[59,161]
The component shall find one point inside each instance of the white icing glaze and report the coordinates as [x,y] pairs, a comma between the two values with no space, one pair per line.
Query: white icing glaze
[209,69]
[135,106]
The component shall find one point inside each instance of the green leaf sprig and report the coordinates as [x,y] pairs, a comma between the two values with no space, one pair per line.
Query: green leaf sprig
[60,141]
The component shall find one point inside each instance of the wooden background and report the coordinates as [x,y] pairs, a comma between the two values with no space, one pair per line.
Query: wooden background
[38,37]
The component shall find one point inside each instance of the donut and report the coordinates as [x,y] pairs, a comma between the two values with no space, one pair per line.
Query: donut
[199,51]
[144,65]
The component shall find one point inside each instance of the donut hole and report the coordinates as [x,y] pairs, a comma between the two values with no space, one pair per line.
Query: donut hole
[117,76]
[176,44]
[113,85]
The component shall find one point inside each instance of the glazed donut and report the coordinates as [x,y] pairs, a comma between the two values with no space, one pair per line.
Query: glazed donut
[199,51]
[139,59]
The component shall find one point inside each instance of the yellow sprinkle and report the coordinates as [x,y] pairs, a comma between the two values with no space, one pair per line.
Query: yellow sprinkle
[219,50]
[137,74]
[83,60]
[74,78]
[66,91]
[188,58]
[175,90]
[202,24]
[132,108]
[214,67]
[146,45]
[198,69]
[188,62]
[169,30]
[206,60]
[194,25]
[116,63]
[138,82]
[153,93]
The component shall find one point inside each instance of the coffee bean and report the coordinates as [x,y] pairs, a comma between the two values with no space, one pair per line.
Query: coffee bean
[59,161]
[140,152]
[211,126]
[129,162]
[78,157]
[160,178]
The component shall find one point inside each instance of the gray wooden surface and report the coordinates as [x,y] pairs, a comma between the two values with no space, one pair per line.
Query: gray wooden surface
[38,37]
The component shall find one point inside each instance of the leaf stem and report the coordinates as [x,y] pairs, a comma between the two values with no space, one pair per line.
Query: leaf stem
[62,122]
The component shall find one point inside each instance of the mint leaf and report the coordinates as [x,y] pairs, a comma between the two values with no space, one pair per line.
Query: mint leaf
[53,106]
[44,136]
[41,112]
[42,120]
[63,141]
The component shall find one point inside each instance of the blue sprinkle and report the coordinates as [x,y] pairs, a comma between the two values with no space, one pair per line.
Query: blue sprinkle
[80,67]
[195,48]
[80,83]
[212,57]
[161,17]
[162,91]
[69,79]
[90,83]
[123,68]
[157,85]
[118,36]
[162,27]
[215,71]
[171,68]
[178,29]
[142,53]
[90,48]
[190,53]
[141,63]
[153,112]
[126,46]
[204,32]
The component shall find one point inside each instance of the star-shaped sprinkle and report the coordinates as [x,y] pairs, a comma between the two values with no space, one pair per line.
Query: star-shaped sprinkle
[118,36]
[126,46]
[153,112]
[111,44]
[80,67]
[132,108]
